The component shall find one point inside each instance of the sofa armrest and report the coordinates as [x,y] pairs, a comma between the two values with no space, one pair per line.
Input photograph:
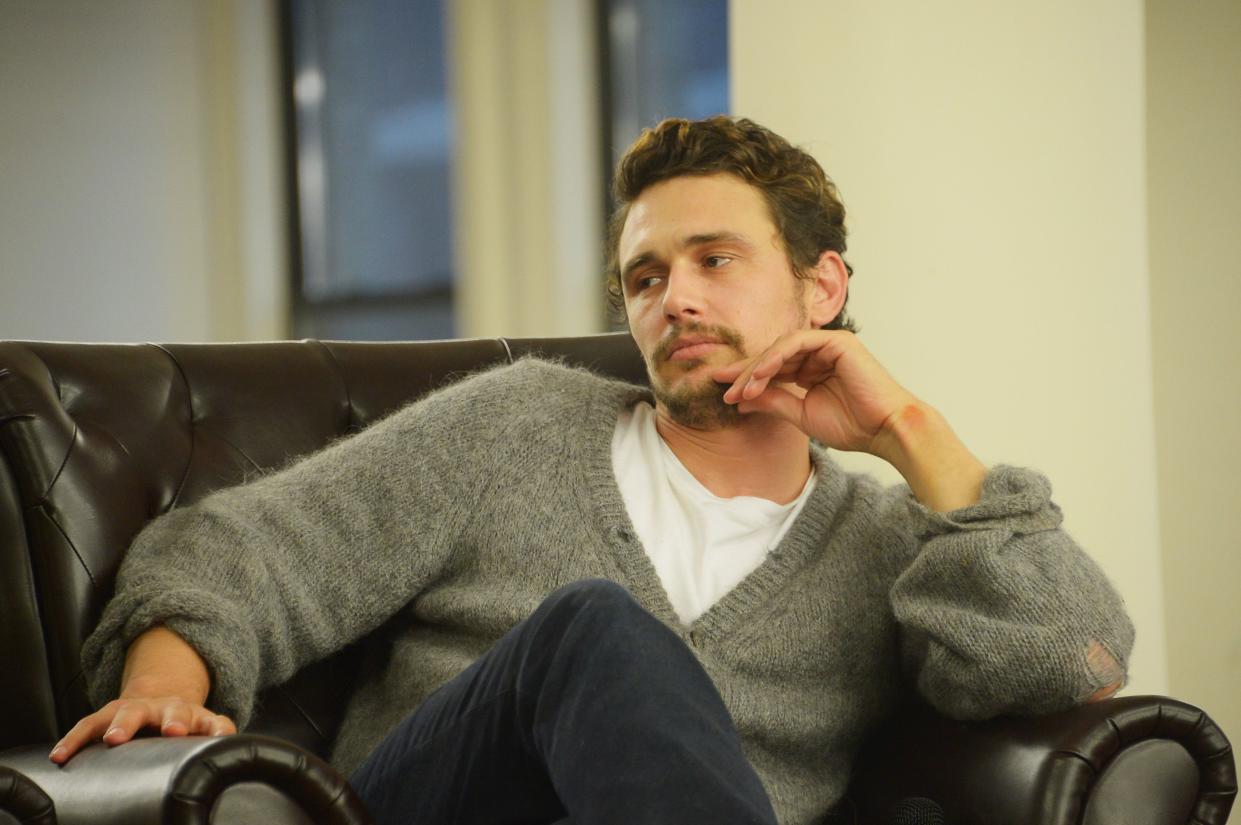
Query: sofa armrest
[22,801]
[193,780]
[1134,760]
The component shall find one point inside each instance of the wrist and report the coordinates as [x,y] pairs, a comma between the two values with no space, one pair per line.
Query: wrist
[940,470]
[161,663]
[898,431]
[142,686]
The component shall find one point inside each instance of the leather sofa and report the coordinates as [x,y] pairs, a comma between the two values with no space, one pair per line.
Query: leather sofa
[97,439]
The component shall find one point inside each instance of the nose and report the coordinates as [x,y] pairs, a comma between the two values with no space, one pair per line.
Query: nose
[684,297]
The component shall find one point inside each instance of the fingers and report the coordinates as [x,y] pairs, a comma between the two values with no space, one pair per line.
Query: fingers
[207,723]
[785,359]
[177,720]
[120,720]
[222,726]
[129,719]
[87,730]
[750,377]
[775,401]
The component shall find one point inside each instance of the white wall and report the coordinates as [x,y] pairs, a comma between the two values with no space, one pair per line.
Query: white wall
[1194,133]
[992,159]
[139,194]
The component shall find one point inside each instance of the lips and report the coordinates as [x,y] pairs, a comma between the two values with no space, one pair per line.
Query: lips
[687,344]
[686,350]
[690,347]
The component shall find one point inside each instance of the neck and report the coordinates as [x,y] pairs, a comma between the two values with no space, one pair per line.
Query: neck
[760,456]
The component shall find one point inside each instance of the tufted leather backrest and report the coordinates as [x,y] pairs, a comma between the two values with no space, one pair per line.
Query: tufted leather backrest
[97,439]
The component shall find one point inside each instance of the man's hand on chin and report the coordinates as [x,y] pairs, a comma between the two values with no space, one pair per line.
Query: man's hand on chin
[852,403]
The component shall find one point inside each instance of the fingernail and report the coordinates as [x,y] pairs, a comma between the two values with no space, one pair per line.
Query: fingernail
[57,752]
[111,731]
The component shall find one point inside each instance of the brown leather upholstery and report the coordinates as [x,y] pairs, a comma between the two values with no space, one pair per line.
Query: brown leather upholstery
[105,437]
[22,802]
[97,439]
[1139,760]
[155,781]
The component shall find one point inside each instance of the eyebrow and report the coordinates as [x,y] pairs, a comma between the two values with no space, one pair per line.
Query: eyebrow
[691,240]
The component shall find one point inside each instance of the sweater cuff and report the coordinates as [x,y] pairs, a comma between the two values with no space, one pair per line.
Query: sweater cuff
[207,622]
[1013,499]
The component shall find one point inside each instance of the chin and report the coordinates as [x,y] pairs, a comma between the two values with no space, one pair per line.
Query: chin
[698,403]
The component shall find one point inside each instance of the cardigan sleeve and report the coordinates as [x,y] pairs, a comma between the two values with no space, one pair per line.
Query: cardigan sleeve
[264,578]
[999,610]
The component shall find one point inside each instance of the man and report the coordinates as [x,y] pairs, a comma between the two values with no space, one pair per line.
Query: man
[615,606]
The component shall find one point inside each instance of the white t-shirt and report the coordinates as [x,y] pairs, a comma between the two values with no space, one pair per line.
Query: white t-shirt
[701,545]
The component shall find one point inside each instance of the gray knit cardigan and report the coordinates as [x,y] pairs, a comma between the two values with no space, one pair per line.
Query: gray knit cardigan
[457,514]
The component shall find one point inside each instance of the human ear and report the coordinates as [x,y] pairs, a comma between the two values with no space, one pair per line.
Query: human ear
[828,289]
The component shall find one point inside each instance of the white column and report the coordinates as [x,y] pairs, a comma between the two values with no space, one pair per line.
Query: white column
[527,189]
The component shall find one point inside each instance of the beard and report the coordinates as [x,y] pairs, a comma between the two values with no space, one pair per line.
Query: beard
[694,402]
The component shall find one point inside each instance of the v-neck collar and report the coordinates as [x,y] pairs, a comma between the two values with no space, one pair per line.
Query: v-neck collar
[803,539]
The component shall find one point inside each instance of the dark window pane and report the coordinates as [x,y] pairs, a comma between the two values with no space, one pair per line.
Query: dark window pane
[665,59]
[374,137]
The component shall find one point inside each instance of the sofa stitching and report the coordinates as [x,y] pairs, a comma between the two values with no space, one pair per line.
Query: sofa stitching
[72,546]
[306,716]
[189,403]
[340,374]
[73,440]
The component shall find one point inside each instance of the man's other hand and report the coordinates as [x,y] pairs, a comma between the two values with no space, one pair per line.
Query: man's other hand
[118,721]
[164,685]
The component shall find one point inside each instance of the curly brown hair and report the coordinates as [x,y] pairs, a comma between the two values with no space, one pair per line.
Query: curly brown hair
[804,203]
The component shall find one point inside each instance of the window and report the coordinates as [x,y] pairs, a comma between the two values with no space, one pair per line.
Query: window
[663,60]
[660,60]
[372,137]
[372,140]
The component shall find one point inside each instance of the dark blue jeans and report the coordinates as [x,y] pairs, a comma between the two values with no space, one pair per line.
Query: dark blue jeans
[591,711]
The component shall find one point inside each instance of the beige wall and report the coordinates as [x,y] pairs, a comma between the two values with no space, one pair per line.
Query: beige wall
[992,158]
[139,171]
[1194,136]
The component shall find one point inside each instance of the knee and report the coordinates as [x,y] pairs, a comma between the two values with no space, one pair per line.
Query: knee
[597,592]
[598,599]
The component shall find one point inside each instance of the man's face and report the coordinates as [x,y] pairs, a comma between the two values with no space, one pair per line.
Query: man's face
[706,282]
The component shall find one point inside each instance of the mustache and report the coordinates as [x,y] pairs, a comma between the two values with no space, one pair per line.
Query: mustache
[724,335]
